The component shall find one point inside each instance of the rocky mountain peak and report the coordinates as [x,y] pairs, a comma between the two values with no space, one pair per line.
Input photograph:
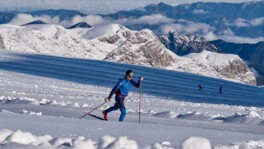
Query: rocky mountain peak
[35,22]
[185,44]
[80,25]
[142,48]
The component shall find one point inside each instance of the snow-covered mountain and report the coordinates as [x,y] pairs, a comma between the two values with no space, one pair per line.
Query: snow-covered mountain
[35,22]
[186,44]
[253,54]
[80,25]
[221,65]
[53,40]
[143,48]
[117,43]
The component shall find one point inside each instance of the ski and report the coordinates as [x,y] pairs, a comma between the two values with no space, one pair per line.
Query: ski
[97,117]
[92,110]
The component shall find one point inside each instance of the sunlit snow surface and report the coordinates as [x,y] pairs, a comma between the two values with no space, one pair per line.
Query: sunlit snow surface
[42,98]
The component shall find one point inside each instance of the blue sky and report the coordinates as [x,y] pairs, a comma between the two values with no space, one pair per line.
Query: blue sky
[93,6]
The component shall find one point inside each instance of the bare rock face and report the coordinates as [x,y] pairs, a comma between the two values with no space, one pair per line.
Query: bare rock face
[2,46]
[142,48]
[225,66]
[186,44]
[237,69]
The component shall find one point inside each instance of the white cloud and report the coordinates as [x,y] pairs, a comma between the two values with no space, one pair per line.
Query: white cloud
[210,36]
[188,27]
[229,36]
[240,23]
[21,19]
[208,32]
[199,11]
[151,20]
[92,20]
[227,32]
[257,21]
[238,39]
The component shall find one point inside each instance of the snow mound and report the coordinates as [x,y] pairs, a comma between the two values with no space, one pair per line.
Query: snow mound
[196,143]
[244,145]
[31,112]
[43,101]
[122,143]
[194,116]
[4,133]
[211,58]
[166,114]
[252,118]
[19,139]
[26,138]
[12,100]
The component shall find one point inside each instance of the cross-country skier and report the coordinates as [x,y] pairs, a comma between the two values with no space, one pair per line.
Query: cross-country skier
[200,87]
[121,90]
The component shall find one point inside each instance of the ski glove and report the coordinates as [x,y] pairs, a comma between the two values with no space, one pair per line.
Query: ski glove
[107,99]
[140,78]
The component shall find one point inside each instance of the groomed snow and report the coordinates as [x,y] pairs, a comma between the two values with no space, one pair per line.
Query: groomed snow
[40,107]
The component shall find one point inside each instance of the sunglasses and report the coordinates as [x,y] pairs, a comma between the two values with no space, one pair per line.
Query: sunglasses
[130,76]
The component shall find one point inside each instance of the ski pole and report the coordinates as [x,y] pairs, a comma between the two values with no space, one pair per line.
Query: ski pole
[140,91]
[92,110]
[139,108]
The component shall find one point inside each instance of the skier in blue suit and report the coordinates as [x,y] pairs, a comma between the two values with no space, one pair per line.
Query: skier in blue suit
[121,90]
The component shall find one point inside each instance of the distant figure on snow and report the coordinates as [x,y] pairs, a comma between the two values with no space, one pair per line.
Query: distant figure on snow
[121,90]
[200,87]
[220,89]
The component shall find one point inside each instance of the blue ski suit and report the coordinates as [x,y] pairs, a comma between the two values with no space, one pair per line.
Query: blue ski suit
[121,90]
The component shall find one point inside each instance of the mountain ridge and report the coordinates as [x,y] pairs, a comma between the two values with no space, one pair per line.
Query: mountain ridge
[114,42]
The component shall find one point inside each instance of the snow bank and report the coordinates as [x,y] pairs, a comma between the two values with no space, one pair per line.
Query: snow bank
[31,112]
[196,143]
[166,114]
[244,145]
[252,117]
[26,100]
[194,116]
[19,139]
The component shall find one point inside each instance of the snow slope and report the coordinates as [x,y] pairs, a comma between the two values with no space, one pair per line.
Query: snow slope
[176,84]
[46,95]
[113,42]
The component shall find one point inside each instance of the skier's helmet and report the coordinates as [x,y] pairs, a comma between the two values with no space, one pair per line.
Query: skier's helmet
[129,73]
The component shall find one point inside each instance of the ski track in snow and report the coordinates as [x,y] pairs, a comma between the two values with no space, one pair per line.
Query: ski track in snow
[47,95]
